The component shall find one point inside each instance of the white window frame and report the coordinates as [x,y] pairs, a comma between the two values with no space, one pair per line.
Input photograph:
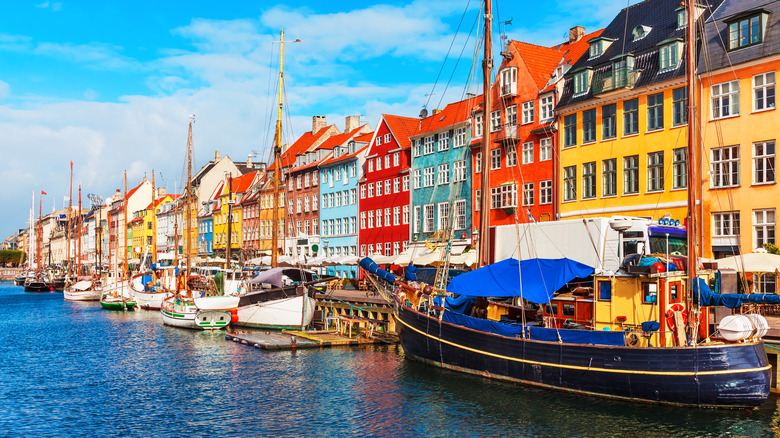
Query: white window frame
[444,141]
[528,194]
[528,112]
[528,152]
[545,192]
[546,107]
[764,163]
[428,220]
[764,226]
[478,126]
[724,100]
[443,173]
[428,145]
[429,176]
[724,172]
[443,210]
[417,173]
[495,121]
[495,159]
[762,84]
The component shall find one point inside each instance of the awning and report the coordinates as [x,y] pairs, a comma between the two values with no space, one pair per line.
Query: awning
[536,280]
[753,262]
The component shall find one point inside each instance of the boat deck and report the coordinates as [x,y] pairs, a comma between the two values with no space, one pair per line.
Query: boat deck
[295,339]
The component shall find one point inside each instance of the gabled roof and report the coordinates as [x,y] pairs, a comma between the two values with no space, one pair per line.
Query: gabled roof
[402,128]
[303,144]
[243,182]
[333,160]
[452,114]
[329,144]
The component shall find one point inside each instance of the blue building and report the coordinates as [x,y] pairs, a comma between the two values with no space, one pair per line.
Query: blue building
[339,175]
[441,175]
[206,233]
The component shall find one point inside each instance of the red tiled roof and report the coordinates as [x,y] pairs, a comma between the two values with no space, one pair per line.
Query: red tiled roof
[402,128]
[452,114]
[330,143]
[242,183]
[365,138]
[301,145]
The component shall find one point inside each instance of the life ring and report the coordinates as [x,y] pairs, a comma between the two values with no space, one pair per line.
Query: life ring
[632,339]
[670,315]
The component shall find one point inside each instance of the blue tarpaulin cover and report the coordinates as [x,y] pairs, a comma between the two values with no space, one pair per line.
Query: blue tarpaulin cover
[482,325]
[540,279]
[370,266]
[709,298]
[459,304]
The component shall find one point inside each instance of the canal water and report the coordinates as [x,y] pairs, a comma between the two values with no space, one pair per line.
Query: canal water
[72,369]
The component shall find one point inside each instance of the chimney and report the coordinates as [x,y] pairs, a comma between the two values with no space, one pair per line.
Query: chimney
[352,123]
[216,156]
[436,111]
[576,33]
[249,161]
[118,195]
[317,123]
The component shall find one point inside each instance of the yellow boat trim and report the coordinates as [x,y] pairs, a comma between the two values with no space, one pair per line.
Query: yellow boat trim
[603,370]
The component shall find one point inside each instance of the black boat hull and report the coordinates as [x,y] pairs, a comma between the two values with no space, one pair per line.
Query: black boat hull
[37,286]
[732,375]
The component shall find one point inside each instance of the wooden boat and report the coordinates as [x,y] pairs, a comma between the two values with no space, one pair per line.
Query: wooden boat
[84,290]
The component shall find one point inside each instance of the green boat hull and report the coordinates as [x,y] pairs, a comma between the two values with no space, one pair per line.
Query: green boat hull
[128,305]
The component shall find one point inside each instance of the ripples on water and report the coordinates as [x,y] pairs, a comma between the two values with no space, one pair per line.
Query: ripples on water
[72,369]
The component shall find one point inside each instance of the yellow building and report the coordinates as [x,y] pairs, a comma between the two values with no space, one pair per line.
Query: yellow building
[226,196]
[740,129]
[623,119]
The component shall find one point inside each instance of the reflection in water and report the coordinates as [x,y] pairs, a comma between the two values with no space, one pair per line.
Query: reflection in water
[70,368]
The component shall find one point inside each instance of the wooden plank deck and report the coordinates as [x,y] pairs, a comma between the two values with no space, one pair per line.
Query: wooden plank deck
[294,339]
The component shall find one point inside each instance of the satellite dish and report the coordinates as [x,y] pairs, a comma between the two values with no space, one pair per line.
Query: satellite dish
[424,113]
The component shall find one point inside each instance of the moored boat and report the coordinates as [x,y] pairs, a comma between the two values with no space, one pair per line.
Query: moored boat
[84,290]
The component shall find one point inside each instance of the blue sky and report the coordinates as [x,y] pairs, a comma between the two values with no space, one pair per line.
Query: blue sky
[110,85]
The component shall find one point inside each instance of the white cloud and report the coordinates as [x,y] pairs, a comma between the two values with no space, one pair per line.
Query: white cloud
[5,90]
[98,55]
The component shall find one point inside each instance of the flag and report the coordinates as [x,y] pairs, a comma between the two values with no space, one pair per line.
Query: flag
[71,164]
[43,193]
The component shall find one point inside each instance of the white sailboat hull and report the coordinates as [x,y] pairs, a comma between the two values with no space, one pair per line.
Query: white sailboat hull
[149,300]
[294,312]
[208,313]
[76,293]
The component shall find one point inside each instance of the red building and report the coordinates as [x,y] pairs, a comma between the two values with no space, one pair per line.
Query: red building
[523,130]
[387,166]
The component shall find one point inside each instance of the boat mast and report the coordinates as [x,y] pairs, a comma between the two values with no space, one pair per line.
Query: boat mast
[70,213]
[691,236]
[487,68]
[154,221]
[38,237]
[187,200]
[78,237]
[277,160]
[229,221]
[124,235]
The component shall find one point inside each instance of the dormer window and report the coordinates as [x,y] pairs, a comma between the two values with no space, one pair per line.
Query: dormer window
[582,82]
[640,32]
[669,54]
[746,30]
[682,17]
[598,46]
[509,81]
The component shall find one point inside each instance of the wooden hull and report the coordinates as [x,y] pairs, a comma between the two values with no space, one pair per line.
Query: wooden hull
[723,376]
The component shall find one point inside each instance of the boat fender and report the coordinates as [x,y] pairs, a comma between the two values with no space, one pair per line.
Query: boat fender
[670,315]
[233,315]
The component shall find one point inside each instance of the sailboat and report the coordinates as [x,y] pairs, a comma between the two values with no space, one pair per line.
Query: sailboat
[667,359]
[86,289]
[281,306]
[184,306]
[116,294]
[37,281]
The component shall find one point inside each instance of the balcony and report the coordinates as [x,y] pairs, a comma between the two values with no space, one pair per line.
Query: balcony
[509,90]
[618,80]
[509,133]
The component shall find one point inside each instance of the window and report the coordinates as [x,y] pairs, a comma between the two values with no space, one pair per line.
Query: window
[763,227]
[396,215]
[640,32]
[570,130]
[649,293]
[405,180]
[306,180]
[353,170]
[528,154]
[764,91]
[582,82]
[387,138]
[545,149]
[504,196]
[545,192]
[459,221]
[428,176]
[605,291]
[609,121]
[495,159]
[378,191]
[378,140]
[509,81]
[405,213]
[631,174]
[444,173]
[460,138]
[370,190]
[388,214]
[478,126]
[745,32]
[378,217]
[378,164]
[495,121]
[670,56]
[306,204]
[477,200]
[336,201]
[387,161]
[680,168]
[370,166]
[362,220]
[528,113]
[459,171]
[416,148]
[725,100]
[511,114]
[528,194]
[511,155]
[655,171]
[387,186]
[589,180]
[417,219]
[444,212]
[609,177]
[396,159]
[589,125]
[764,162]
[362,192]
[363,250]
[655,111]
[570,183]
[478,162]
[444,141]
[396,185]
[724,164]
[595,49]
[353,196]
[679,106]
[298,205]
[630,116]
[429,220]
[725,225]
[417,178]
[546,107]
